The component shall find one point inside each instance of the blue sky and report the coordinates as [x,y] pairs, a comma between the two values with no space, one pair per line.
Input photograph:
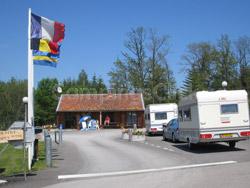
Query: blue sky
[96,31]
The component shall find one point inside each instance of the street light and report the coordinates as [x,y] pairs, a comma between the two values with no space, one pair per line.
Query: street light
[59,90]
[224,84]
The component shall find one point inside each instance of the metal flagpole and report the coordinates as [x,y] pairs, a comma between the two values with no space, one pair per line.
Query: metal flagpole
[30,89]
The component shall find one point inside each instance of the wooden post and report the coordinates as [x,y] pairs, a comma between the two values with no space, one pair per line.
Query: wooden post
[100,122]
[78,126]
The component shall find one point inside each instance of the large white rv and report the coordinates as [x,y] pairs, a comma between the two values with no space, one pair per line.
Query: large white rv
[217,116]
[158,114]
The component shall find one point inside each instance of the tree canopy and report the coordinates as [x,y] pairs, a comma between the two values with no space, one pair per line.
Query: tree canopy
[144,67]
[206,65]
[11,105]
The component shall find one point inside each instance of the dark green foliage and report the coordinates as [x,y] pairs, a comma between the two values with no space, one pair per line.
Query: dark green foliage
[243,61]
[46,99]
[83,85]
[199,66]
[208,65]
[11,105]
[225,65]
[119,77]
[83,79]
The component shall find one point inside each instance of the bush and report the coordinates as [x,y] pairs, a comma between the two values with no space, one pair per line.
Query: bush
[138,132]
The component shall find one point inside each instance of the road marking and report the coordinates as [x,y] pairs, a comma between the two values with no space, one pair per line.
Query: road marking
[158,146]
[168,149]
[3,181]
[119,173]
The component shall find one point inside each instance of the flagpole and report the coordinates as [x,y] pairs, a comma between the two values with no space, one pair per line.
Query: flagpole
[30,90]
[30,76]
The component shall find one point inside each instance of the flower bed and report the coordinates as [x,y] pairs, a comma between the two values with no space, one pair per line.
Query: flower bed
[136,135]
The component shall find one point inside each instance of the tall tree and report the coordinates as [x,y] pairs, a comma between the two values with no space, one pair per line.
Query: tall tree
[159,77]
[94,82]
[135,57]
[242,47]
[199,64]
[119,77]
[101,87]
[83,79]
[226,65]
[46,101]
[144,68]
[12,108]
[82,85]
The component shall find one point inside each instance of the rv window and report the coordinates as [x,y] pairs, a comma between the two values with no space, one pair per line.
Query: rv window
[180,115]
[160,115]
[187,114]
[229,108]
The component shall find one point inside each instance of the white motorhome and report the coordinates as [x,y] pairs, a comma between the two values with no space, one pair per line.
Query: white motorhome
[158,114]
[217,116]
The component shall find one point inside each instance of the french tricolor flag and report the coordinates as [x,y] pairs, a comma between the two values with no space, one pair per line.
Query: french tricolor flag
[43,28]
[46,36]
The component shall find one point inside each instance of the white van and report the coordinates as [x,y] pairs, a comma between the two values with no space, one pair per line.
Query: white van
[217,116]
[158,114]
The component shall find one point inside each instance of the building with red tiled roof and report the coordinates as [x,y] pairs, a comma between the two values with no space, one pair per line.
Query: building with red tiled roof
[122,109]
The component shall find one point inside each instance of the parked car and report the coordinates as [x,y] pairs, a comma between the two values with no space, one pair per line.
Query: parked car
[171,130]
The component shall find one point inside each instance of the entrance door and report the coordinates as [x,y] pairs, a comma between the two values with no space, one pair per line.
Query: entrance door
[70,121]
[132,119]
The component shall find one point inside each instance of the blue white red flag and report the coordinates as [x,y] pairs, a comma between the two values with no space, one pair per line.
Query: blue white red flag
[46,36]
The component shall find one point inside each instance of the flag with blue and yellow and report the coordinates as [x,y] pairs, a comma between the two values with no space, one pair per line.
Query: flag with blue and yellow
[46,38]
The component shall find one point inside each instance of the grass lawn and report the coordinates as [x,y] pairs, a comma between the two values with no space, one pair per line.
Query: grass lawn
[11,160]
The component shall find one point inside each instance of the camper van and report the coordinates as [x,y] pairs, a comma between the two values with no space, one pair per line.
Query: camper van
[158,114]
[216,116]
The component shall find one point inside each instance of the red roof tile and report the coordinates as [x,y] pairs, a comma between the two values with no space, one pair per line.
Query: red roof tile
[100,102]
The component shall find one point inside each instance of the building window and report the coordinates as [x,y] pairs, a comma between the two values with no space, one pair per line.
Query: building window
[160,115]
[187,114]
[132,118]
[229,108]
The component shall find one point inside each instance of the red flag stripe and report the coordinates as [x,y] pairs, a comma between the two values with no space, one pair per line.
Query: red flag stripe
[59,29]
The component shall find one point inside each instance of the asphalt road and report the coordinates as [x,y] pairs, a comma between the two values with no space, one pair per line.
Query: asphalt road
[103,152]
[102,159]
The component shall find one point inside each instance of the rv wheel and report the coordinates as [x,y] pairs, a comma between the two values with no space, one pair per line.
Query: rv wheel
[232,144]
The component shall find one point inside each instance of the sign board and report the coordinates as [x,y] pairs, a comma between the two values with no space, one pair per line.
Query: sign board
[30,134]
[5,136]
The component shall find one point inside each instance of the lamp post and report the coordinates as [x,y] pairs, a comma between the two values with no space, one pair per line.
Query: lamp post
[224,84]
[59,91]
[25,101]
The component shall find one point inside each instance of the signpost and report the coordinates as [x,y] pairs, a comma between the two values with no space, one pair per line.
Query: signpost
[10,135]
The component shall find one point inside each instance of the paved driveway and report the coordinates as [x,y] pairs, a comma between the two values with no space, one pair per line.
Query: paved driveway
[102,159]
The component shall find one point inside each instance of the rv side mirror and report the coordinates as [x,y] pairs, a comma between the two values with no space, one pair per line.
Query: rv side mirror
[164,125]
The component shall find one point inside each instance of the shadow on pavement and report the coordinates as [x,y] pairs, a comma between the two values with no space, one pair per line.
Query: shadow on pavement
[206,148]
[18,177]
[154,135]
